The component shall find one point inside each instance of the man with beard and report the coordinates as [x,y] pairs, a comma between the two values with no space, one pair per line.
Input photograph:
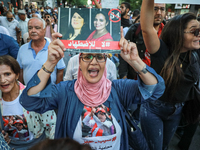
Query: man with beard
[125,8]
[134,34]
[33,55]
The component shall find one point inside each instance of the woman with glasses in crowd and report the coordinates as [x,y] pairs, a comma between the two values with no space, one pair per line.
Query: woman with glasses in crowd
[92,91]
[175,58]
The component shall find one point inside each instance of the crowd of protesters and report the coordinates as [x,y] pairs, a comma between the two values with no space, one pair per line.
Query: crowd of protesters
[46,93]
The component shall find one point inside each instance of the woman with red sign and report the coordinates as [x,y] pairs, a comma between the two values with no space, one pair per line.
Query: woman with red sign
[93,89]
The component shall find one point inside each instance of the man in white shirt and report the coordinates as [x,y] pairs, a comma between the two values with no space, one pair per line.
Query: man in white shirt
[16,14]
[3,30]
[23,22]
[10,23]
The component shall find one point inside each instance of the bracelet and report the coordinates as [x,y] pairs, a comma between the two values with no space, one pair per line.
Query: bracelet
[144,70]
[46,70]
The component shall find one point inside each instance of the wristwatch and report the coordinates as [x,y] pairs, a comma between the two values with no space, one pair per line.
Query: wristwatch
[144,70]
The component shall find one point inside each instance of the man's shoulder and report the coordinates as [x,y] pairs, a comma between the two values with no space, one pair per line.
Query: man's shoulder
[24,47]
[134,27]
[2,17]
[6,38]
[15,21]
[131,33]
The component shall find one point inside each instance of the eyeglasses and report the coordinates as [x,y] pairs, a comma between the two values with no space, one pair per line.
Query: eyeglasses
[195,32]
[159,8]
[9,18]
[47,16]
[89,57]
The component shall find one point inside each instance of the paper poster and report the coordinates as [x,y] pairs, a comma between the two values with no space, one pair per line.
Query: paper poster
[90,30]
[178,1]
[110,3]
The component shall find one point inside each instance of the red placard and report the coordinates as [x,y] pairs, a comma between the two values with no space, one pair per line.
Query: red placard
[81,44]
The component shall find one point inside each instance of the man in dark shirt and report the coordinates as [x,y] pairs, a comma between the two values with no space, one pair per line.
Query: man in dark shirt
[125,8]
[134,34]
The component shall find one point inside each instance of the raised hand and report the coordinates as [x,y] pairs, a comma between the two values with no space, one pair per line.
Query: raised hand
[129,50]
[56,49]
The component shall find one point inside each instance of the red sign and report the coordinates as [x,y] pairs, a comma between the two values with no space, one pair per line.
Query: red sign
[101,45]
[114,15]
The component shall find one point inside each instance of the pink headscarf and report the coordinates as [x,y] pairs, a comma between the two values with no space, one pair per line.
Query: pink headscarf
[92,94]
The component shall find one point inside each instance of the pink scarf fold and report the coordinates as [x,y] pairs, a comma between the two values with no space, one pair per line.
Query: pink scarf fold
[92,94]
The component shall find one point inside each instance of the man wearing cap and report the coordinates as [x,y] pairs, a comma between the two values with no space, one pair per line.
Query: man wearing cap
[10,23]
[23,23]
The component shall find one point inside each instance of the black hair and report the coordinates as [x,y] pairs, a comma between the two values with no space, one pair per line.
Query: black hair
[60,144]
[171,72]
[127,5]
[46,14]
[11,62]
[69,30]
[138,17]
[136,12]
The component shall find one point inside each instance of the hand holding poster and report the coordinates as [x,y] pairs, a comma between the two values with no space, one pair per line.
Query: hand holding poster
[90,30]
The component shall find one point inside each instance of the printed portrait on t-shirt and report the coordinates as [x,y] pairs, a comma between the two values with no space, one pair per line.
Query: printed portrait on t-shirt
[97,121]
[99,128]
[16,127]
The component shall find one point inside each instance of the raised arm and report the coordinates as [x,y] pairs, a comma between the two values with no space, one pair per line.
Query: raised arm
[55,53]
[97,4]
[150,36]
[130,54]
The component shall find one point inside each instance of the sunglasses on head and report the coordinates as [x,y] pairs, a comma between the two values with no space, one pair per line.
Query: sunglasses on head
[195,32]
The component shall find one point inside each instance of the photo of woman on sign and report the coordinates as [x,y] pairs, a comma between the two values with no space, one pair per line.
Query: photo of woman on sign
[77,24]
[101,21]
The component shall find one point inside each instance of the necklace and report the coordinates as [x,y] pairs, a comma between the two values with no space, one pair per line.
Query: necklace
[181,65]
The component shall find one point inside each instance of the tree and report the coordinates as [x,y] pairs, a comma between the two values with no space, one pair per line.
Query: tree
[135,4]
[77,2]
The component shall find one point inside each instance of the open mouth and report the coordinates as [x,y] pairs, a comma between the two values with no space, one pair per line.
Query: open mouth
[5,86]
[93,72]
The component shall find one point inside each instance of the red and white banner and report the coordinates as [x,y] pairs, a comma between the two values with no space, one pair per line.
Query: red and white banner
[101,45]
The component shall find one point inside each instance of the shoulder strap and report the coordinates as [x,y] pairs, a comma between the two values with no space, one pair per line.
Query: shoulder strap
[138,30]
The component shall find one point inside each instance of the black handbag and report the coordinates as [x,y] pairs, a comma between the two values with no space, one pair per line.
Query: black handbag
[136,138]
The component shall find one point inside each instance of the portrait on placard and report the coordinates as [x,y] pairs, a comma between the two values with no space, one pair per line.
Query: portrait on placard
[90,30]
